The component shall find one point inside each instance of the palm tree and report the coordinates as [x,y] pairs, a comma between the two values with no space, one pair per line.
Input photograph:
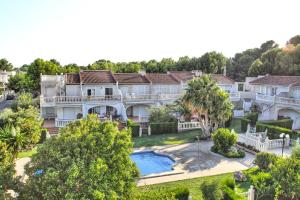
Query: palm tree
[209,101]
[14,139]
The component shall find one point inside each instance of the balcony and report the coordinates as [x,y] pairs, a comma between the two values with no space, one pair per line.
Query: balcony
[63,122]
[277,99]
[78,99]
[145,97]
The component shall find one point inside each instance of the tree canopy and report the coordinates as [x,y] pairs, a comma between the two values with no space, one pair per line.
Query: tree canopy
[5,65]
[88,160]
[209,101]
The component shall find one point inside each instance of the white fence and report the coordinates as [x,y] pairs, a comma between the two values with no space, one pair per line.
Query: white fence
[249,194]
[62,122]
[258,141]
[188,126]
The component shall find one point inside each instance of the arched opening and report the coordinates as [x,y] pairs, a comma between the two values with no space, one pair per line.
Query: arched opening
[292,114]
[138,112]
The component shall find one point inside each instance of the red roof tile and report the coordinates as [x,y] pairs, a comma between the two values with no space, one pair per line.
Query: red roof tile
[182,75]
[157,78]
[221,79]
[276,80]
[72,79]
[96,76]
[131,78]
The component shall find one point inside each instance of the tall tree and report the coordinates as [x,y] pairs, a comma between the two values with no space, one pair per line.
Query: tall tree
[102,64]
[209,101]
[88,160]
[294,40]
[212,62]
[5,65]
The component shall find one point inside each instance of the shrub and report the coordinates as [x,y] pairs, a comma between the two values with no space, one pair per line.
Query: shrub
[284,123]
[24,100]
[264,185]
[211,190]
[228,182]
[161,114]
[224,139]
[135,127]
[296,152]
[263,160]
[250,118]
[230,194]
[160,193]
[43,135]
[163,127]
[181,193]
[275,131]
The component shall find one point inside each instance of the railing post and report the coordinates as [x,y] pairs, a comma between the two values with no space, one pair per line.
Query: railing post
[140,131]
[251,193]
[149,130]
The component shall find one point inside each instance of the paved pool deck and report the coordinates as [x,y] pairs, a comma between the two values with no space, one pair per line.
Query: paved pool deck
[193,164]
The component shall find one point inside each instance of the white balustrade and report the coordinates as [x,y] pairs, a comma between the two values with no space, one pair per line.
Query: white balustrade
[68,99]
[285,100]
[188,125]
[234,96]
[263,97]
[63,122]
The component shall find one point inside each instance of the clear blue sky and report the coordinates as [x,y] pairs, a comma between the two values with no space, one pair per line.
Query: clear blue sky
[81,32]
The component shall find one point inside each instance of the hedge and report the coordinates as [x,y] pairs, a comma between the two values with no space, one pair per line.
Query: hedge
[285,123]
[135,130]
[164,127]
[178,193]
[275,131]
[249,118]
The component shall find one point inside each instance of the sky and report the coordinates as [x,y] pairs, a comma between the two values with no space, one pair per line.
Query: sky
[83,31]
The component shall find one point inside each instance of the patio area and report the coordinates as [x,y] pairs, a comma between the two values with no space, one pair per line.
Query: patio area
[196,160]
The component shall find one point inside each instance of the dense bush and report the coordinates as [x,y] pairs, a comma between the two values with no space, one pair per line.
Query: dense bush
[296,152]
[250,118]
[233,153]
[264,185]
[181,193]
[284,123]
[275,131]
[211,190]
[224,139]
[263,160]
[163,127]
[177,193]
[161,114]
[134,127]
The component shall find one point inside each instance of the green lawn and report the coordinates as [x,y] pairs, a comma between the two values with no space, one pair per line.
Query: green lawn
[236,125]
[194,185]
[164,139]
[29,153]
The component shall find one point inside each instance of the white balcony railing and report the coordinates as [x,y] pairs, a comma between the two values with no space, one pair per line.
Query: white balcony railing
[79,99]
[277,99]
[63,122]
[50,78]
[151,97]
[182,126]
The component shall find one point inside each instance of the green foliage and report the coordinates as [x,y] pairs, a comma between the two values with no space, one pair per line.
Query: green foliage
[250,118]
[296,152]
[21,83]
[158,194]
[244,124]
[286,176]
[209,101]
[212,62]
[264,160]
[284,123]
[275,131]
[211,190]
[89,157]
[5,65]
[264,185]
[163,127]
[224,139]
[26,122]
[160,114]
[134,127]
[24,100]
[181,193]
[294,40]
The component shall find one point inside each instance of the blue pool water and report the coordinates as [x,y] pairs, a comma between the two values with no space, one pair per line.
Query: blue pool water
[150,162]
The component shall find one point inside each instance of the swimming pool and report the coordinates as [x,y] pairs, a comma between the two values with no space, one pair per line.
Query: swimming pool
[151,163]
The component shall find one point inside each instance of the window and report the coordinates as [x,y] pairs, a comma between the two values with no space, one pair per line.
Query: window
[273,91]
[91,92]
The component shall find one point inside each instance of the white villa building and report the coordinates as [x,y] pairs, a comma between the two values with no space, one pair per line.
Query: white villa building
[65,98]
[278,96]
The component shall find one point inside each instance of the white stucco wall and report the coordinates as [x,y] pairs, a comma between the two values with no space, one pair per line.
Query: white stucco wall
[68,112]
[73,90]
[166,89]
[295,116]
[267,89]
[134,89]
[228,87]
[99,89]
[295,92]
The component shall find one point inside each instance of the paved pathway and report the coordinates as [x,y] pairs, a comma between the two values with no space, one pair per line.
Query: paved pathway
[20,164]
[195,165]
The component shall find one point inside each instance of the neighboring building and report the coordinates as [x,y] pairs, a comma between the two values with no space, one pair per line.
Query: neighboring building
[5,75]
[278,96]
[118,95]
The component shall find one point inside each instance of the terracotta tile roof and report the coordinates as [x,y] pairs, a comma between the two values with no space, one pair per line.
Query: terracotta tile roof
[276,80]
[182,75]
[96,76]
[157,78]
[131,78]
[221,79]
[72,79]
